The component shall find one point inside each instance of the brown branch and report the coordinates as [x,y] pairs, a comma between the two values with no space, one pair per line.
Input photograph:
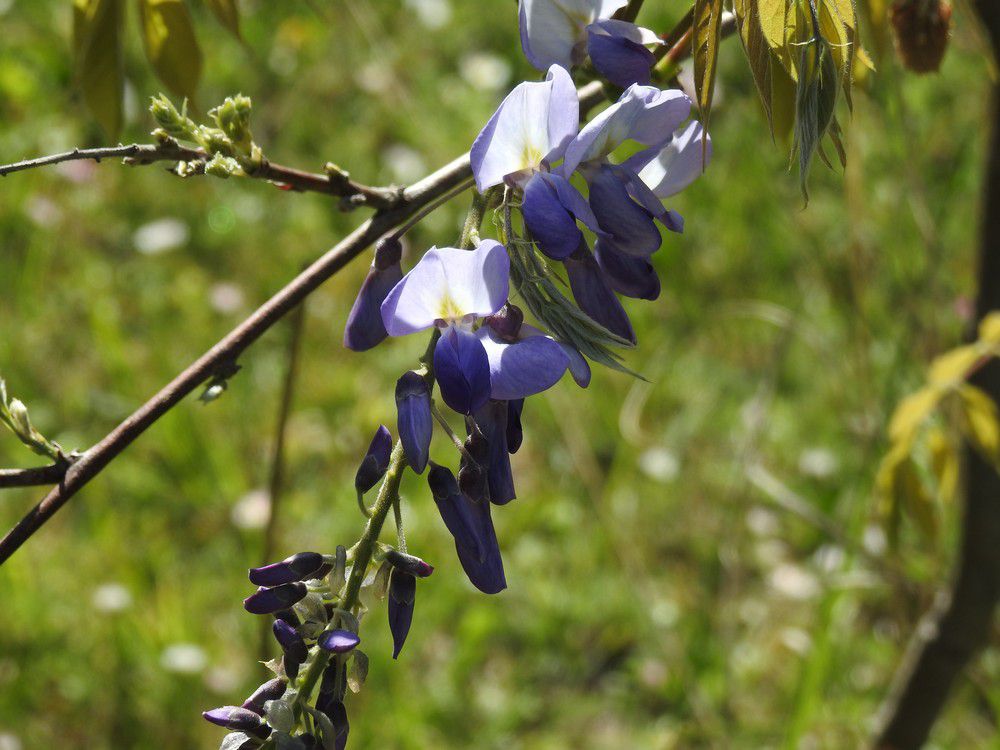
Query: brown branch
[222,356]
[958,626]
[33,477]
[335,182]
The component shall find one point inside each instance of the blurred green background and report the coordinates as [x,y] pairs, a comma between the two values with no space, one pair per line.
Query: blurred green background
[693,561]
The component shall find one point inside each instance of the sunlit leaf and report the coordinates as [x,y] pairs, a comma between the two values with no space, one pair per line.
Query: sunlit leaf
[707,29]
[980,422]
[952,366]
[757,51]
[773,18]
[782,101]
[97,26]
[171,45]
[911,413]
[815,101]
[989,329]
[228,14]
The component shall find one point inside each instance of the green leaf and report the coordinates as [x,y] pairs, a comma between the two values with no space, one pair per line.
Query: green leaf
[773,18]
[228,14]
[981,422]
[171,45]
[97,47]
[757,51]
[815,100]
[782,100]
[707,29]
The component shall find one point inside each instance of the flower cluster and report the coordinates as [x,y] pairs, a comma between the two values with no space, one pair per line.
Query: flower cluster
[589,202]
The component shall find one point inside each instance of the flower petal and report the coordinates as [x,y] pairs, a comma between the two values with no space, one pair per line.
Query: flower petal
[642,113]
[522,368]
[533,124]
[594,296]
[680,163]
[548,221]
[515,434]
[485,573]
[552,32]
[448,284]
[462,369]
[402,594]
[630,225]
[627,274]
[456,511]
[617,51]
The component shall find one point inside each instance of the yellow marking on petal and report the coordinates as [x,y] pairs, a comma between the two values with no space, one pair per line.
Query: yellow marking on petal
[531,157]
[449,309]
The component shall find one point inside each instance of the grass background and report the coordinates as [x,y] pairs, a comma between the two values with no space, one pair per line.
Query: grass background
[662,594]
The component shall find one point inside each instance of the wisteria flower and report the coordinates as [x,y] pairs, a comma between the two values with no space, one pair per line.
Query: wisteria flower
[619,51]
[680,162]
[528,132]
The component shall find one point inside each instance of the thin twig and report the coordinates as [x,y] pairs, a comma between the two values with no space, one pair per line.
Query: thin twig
[335,182]
[33,477]
[276,485]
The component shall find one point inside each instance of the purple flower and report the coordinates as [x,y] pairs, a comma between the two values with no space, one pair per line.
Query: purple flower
[364,328]
[376,461]
[555,31]
[618,51]
[271,690]
[450,289]
[528,132]
[627,274]
[492,421]
[408,563]
[472,528]
[295,568]
[680,162]
[338,641]
[239,719]
[402,594]
[268,600]
[290,641]
[633,230]
[414,421]
[523,365]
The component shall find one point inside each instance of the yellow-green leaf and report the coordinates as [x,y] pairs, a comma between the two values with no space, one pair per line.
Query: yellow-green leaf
[981,422]
[99,66]
[944,463]
[228,14]
[757,51]
[952,366]
[171,45]
[989,329]
[707,28]
[773,18]
[911,413]
[782,101]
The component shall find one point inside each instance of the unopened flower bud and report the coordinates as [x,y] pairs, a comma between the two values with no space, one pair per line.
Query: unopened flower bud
[298,567]
[408,563]
[402,593]
[266,601]
[269,691]
[375,462]
[338,641]
[388,252]
[507,322]
[239,719]
[290,641]
[415,423]
[365,328]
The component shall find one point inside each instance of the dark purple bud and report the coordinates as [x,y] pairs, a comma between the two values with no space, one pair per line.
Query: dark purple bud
[551,223]
[492,420]
[486,571]
[631,226]
[291,666]
[269,691]
[337,714]
[402,593]
[472,476]
[619,55]
[375,462]
[291,642]
[507,322]
[267,601]
[295,568]
[408,563]
[462,369]
[414,422]
[365,328]
[338,641]
[594,296]
[238,719]
[627,274]
[514,433]
[457,511]
[333,686]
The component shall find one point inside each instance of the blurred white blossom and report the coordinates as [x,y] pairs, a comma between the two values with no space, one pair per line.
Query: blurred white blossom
[183,658]
[161,236]
[111,598]
[659,463]
[252,511]
[486,71]
[818,463]
[434,14]
[404,163]
[226,297]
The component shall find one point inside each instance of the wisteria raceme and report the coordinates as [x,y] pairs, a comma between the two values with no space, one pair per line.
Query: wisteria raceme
[573,207]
